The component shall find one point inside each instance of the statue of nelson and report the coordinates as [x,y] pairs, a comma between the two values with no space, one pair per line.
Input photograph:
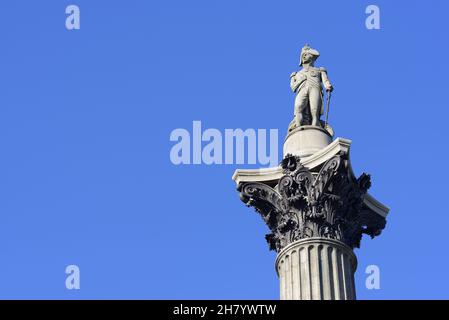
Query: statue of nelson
[307,84]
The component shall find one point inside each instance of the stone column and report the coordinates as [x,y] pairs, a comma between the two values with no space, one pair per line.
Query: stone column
[314,206]
[316,269]
[316,215]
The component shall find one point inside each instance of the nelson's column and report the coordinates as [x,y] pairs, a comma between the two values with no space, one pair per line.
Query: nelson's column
[314,206]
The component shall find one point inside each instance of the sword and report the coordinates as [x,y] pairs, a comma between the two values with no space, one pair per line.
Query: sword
[328,100]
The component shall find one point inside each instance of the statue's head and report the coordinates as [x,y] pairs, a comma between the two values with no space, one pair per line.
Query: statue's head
[308,55]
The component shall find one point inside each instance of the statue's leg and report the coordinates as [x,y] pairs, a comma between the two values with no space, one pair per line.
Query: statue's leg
[301,102]
[315,105]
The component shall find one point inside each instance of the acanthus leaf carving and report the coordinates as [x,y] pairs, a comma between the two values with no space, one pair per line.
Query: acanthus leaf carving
[305,204]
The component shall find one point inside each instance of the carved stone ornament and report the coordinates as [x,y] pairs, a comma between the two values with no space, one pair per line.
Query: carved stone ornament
[305,204]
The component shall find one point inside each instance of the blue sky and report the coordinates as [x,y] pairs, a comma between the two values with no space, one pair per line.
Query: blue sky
[86,115]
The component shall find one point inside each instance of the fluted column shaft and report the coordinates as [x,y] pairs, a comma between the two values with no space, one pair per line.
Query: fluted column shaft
[316,269]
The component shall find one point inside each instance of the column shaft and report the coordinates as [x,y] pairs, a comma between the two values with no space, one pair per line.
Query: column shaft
[316,269]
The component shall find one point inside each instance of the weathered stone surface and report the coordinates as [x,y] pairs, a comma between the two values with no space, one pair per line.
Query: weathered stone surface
[271,176]
[306,140]
[307,83]
[306,204]
[314,206]
[316,269]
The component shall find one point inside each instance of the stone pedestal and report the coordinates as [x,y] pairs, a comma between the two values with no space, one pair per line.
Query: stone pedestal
[316,269]
[306,140]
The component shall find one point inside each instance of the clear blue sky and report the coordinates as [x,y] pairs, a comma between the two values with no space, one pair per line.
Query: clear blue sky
[86,115]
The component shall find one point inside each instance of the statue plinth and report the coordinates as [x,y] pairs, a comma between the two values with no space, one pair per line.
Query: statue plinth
[306,140]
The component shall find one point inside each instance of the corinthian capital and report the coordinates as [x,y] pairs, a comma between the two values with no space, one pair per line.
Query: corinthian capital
[326,203]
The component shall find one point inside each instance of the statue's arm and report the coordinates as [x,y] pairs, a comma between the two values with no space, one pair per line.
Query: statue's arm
[327,84]
[294,81]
